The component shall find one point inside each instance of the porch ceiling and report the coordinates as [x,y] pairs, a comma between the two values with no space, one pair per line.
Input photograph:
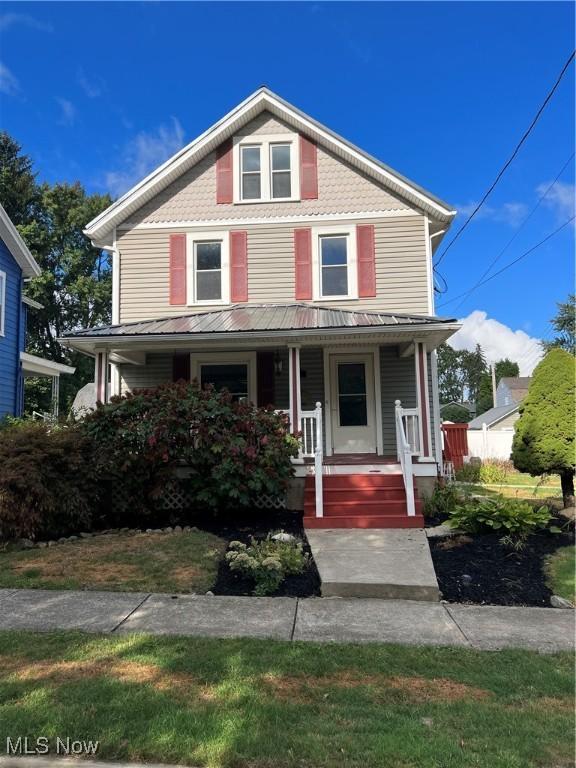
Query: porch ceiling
[265,325]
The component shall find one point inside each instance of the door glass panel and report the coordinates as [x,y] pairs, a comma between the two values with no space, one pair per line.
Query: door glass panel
[230,376]
[352,405]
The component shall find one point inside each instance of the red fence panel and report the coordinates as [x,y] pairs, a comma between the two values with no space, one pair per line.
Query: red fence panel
[455,443]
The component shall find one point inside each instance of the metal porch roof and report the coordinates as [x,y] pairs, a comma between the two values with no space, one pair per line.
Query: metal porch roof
[258,317]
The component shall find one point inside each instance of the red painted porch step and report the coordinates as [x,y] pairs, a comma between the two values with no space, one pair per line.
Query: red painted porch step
[361,501]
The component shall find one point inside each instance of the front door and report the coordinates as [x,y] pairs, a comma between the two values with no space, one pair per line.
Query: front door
[352,404]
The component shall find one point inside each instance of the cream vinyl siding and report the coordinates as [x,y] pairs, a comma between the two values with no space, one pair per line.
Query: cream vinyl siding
[158,370]
[397,382]
[341,189]
[506,423]
[401,274]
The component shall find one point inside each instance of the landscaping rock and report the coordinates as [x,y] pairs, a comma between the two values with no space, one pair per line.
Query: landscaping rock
[86,535]
[560,602]
[42,544]
[62,540]
[177,529]
[209,594]
[441,531]
[283,536]
[187,529]
[24,544]
[52,543]
[168,529]
[72,538]
[149,530]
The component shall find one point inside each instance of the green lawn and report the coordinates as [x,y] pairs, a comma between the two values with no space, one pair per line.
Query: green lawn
[265,704]
[163,562]
[560,572]
[546,494]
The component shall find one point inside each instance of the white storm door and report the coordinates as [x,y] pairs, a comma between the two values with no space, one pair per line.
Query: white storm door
[352,404]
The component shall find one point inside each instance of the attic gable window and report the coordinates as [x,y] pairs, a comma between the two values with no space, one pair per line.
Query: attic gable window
[266,168]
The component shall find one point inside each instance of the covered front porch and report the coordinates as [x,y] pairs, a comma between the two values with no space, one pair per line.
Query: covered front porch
[359,389]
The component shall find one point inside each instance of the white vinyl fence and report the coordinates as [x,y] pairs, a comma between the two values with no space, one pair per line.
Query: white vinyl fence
[490,443]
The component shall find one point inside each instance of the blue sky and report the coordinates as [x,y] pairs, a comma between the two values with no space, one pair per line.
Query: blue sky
[440,91]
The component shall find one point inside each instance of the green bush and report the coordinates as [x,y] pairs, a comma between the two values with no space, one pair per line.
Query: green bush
[442,501]
[495,471]
[47,482]
[267,562]
[232,451]
[468,473]
[513,518]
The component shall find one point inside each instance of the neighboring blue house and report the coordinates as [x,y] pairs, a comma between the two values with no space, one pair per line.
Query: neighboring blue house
[17,264]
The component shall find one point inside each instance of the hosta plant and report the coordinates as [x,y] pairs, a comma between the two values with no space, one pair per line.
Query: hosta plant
[513,518]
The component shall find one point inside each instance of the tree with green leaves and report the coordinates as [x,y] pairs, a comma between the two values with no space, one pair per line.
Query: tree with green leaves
[75,286]
[485,399]
[451,378]
[455,413]
[474,367]
[564,325]
[506,369]
[18,191]
[544,439]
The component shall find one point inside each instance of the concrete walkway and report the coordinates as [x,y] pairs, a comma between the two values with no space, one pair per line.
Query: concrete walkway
[389,563]
[312,619]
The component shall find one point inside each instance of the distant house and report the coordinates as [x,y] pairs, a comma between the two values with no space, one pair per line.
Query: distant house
[490,434]
[470,408]
[16,265]
[512,390]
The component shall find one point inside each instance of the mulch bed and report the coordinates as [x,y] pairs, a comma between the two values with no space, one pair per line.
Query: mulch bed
[497,574]
[261,522]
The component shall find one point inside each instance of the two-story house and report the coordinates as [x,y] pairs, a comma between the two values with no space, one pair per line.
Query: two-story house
[274,258]
[16,265]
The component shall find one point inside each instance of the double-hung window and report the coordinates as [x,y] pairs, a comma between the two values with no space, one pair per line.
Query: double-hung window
[334,254]
[208,268]
[2,302]
[267,168]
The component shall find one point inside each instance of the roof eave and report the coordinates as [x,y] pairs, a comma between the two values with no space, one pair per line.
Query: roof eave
[17,246]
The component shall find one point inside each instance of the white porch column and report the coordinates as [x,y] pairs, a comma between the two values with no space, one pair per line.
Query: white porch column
[101,376]
[294,387]
[422,398]
[55,396]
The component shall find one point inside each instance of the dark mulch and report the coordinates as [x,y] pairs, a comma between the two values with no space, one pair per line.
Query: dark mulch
[259,523]
[497,574]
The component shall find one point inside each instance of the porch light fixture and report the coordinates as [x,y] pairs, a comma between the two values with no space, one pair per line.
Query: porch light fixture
[277,363]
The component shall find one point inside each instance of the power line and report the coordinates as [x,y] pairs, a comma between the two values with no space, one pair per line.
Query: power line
[515,261]
[515,235]
[510,159]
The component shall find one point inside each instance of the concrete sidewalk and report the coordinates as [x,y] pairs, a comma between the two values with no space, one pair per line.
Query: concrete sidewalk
[282,618]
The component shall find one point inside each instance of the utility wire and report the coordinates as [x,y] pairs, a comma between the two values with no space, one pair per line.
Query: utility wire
[515,235]
[510,159]
[515,261]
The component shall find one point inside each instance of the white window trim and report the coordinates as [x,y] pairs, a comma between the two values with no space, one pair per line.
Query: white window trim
[350,234]
[195,237]
[264,141]
[2,303]
[197,359]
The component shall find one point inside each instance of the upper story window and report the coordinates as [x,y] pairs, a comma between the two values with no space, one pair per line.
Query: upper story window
[208,268]
[267,168]
[334,257]
[2,302]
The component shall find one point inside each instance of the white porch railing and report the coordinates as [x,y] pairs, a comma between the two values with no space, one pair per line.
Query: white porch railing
[411,422]
[311,447]
[405,450]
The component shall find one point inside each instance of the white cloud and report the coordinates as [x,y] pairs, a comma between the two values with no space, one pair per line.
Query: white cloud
[8,83]
[507,213]
[69,112]
[498,341]
[93,88]
[143,154]
[560,198]
[8,20]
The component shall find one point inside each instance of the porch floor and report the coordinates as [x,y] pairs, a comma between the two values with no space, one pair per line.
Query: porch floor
[354,459]
[386,563]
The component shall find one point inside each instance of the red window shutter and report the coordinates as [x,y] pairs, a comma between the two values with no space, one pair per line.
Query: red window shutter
[265,377]
[308,169]
[181,367]
[224,173]
[303,263]
[177,269]
[366,260]
[238,266]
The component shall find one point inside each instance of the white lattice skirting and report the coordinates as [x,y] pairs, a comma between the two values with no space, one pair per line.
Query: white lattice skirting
[175,497]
